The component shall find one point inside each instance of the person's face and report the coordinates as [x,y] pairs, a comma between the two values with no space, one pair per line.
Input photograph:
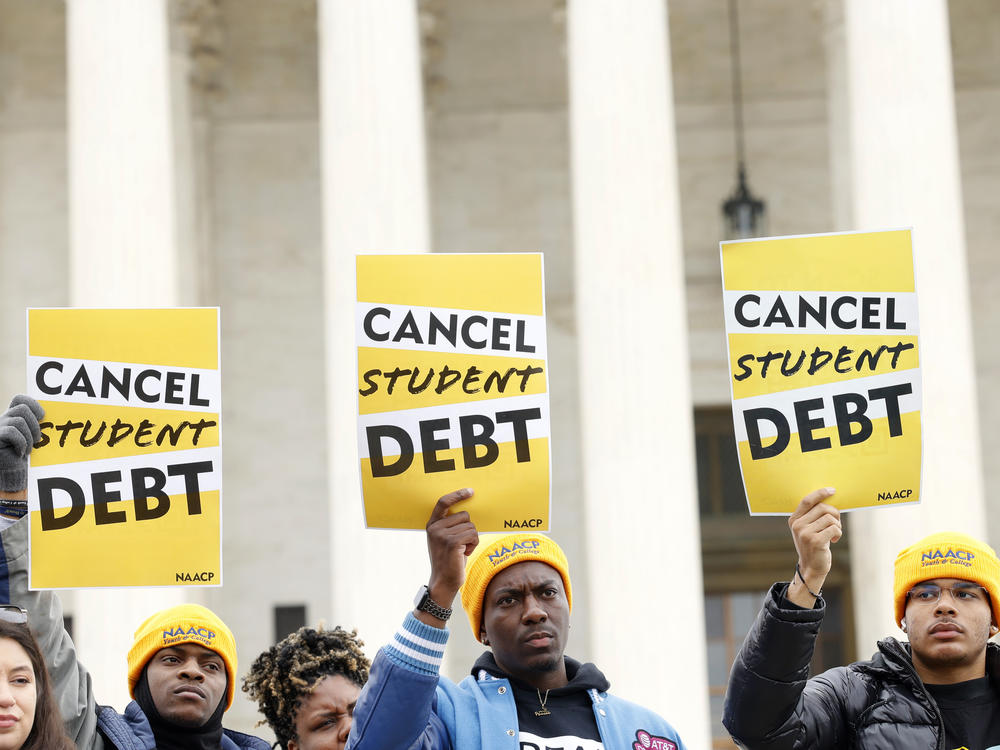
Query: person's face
[17,695]
[526,621]
[952,632]
[323,718]
[187,682]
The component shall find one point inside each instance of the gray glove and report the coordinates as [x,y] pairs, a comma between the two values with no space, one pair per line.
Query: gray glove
[19,431]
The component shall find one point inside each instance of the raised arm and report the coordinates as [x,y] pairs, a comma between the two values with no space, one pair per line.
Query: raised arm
[451,537]
[19,430]
[770,701]
[815,526]
[399,707]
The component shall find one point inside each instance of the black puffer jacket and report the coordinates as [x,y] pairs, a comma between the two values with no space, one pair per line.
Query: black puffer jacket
[771,704]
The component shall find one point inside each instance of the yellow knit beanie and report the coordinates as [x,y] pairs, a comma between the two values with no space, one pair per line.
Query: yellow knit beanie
[185,623]
[491,557]
[947,555]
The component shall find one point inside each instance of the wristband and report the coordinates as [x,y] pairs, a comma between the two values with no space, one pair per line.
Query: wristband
[13,508]
[799,574]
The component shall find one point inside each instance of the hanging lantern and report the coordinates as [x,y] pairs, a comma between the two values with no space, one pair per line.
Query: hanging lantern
[744,213]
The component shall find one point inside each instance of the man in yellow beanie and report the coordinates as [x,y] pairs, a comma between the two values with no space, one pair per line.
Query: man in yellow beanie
[936,691]
[182,664]
[525,692]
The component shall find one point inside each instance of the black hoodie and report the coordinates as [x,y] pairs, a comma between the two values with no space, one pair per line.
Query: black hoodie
[170,736]
[569,723]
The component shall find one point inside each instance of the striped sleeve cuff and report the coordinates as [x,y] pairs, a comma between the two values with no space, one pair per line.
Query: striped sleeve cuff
[417,646]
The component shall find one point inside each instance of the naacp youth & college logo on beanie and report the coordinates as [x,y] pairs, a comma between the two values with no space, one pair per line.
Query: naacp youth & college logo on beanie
[493,556]
[946,555]
[185,623]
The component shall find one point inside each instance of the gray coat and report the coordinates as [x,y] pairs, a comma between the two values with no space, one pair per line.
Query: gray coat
[70,680]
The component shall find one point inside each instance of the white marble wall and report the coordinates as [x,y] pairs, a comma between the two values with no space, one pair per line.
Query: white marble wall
[256,213]
[498,169]
[784,103]
[975,27]
[259,137]
[499,176]
[33,215]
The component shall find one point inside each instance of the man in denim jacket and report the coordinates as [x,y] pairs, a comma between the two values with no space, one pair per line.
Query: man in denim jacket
[525,694]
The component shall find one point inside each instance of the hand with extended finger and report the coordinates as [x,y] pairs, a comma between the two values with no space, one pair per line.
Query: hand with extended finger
[19,431]
[451,537]
[815,526]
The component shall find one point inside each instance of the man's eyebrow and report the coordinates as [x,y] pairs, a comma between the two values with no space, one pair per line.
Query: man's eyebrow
[512,589]
[508,590]
[546,582]
[956,585]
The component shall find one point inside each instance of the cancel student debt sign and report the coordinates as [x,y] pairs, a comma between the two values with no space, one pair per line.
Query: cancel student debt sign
[824,368]
[124,487]
[452,388]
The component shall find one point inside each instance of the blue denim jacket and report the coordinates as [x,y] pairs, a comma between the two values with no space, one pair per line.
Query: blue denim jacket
[407,706]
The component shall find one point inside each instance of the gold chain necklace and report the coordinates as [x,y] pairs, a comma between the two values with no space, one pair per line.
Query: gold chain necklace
[543,711]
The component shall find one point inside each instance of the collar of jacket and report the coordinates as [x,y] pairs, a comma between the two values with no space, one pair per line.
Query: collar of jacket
[894,658]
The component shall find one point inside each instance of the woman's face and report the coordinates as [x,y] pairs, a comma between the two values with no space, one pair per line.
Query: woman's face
[323,719]
[17,695]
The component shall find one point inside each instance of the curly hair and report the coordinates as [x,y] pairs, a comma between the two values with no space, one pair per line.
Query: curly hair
[284,675]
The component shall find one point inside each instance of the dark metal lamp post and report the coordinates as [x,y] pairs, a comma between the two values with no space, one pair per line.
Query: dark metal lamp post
[745,214]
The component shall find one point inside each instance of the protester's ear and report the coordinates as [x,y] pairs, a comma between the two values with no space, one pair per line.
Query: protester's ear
[293,745]
[482,637]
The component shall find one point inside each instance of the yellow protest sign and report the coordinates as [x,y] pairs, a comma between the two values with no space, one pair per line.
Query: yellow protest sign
[453,388]
[125,484]
[824,368]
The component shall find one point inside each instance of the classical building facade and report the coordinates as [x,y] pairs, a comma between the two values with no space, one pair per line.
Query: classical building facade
[217,152]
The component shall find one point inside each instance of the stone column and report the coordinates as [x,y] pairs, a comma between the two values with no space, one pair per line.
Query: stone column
[121,186]
[374,200]
[640,493]
[897,154]
[33,228]
[122,238]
